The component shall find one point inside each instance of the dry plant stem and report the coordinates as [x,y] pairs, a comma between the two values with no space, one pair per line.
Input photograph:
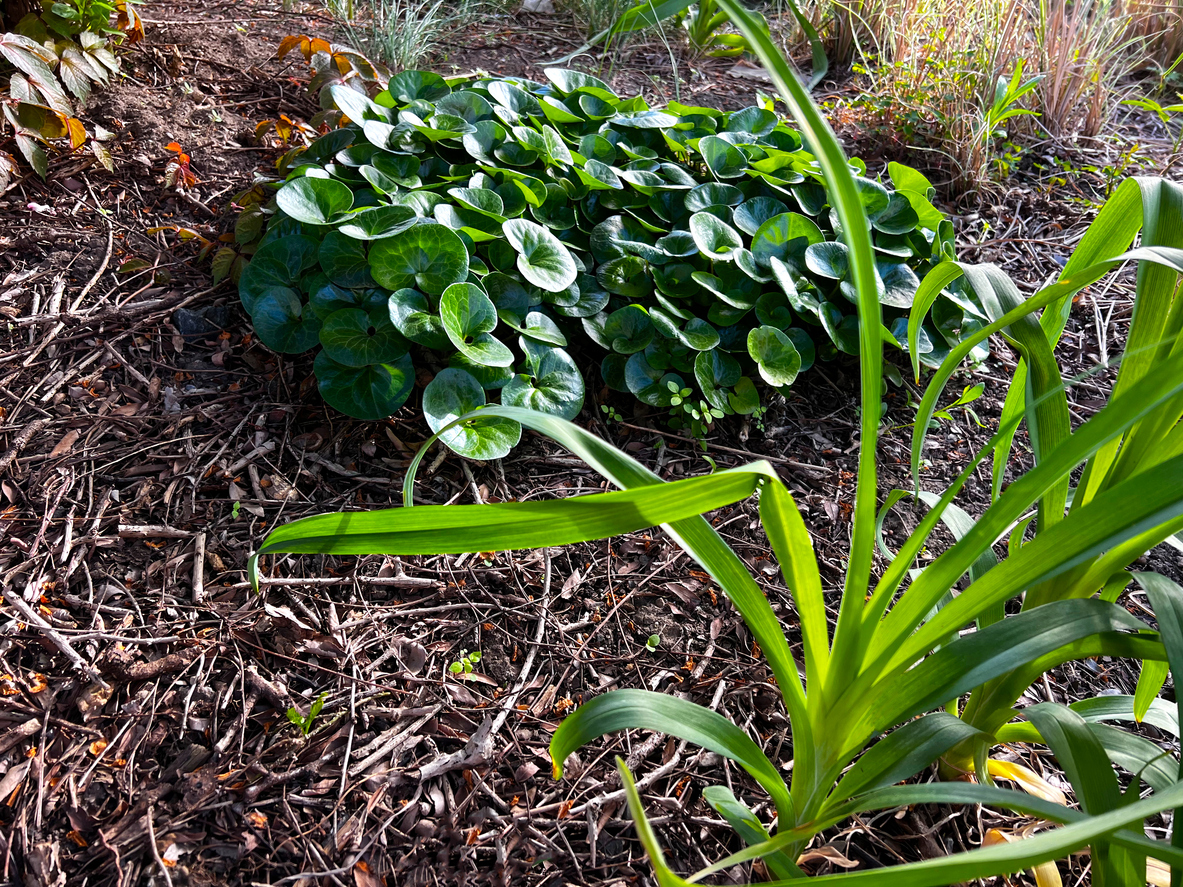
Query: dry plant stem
[22,440]
[168,879]
[479,747]
[34,619]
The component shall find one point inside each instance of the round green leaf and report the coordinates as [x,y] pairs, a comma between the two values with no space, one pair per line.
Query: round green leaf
[452,394]
[491,378]
[542,258]
[378,222]
[714,371]
[411,315]
[429,256]
[592,298]
[722,158]
[482,200]
[647,383]
[751,214]
[899,284]
[628,329]
[775,355]
[787,237]
[412,85]
[283,324]
[356,338]
[370,392]
[715,238]
[469,317]
[898,217]
[830,260]
[712,194]
[625,276]
[315,201]
[344,261]
[745,400]
[555,387]
[566,81]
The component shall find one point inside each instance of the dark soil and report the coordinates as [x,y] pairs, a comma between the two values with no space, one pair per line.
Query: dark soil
[152,444]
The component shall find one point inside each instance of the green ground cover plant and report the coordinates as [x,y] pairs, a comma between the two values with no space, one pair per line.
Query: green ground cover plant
[492,226]
[924,664]
[49,63]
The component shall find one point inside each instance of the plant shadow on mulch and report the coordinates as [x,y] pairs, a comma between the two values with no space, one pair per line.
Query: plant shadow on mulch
[150,444]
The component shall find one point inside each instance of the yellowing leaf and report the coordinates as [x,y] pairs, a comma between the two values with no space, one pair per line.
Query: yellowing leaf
[1031,781]
[1046,874]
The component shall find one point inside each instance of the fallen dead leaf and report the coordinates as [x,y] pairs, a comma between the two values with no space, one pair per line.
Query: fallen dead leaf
[65,444]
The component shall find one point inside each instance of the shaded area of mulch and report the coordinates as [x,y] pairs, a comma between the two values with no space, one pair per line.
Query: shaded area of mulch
[148,445]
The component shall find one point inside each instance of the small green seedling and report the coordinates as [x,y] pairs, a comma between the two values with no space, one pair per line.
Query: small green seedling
[611,412]
[235,507]
[305,722]
[653,642]
[464,664]
[968,395]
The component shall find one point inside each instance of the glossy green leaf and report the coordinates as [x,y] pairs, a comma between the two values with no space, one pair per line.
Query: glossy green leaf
[454,393]
[429,257]
[469,318]
[315,201]
[368,392]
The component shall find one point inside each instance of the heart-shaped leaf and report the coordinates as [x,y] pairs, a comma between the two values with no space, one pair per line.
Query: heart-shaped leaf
[715,370]
[491,378]
[751,214]
[898,217]
[649,384]
[410,86]
[555,387]
[722,158]
[542,258]
[568,81]
[378,222]
[626,277]
[628,330]
[283,324]
[429,256]
[370,392]
[344,260]
[356,338]
[536,327]
[899,284]
[452,394]
[715,238]
[411,314]
[775,355]
[712,194]
[787,237]
[469,318]
[315,201]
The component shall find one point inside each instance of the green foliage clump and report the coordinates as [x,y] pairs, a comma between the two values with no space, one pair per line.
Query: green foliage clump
[50,61]
[698,249]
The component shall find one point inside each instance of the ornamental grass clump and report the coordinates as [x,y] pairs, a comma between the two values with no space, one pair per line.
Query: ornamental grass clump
[503,234]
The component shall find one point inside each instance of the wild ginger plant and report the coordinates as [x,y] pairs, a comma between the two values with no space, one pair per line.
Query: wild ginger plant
[907,648]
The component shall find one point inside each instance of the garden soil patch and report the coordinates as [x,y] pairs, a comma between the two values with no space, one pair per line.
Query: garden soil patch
[148,444]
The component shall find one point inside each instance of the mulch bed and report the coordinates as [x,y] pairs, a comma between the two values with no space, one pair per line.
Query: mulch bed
[148,444]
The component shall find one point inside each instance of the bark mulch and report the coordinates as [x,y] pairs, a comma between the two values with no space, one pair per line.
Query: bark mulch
[147,444]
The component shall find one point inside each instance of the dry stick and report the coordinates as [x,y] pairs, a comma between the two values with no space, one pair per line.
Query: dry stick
[403,581]
[199,568]
[33,618]
[168,879]
[22,440]
[480,746]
